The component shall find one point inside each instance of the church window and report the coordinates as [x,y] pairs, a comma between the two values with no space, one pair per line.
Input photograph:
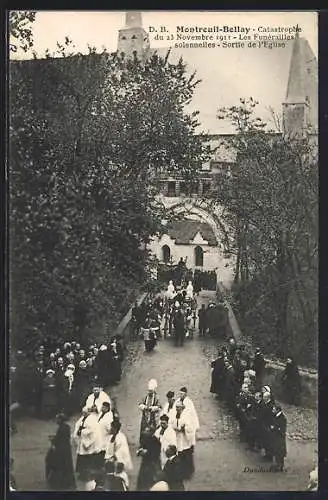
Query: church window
[171,189]
[199,257]
[166,253]
[194,188]
[123,37]
[206,187]
[134,37]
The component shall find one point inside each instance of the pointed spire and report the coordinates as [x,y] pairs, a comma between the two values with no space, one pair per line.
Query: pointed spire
[133,19]
[295,89]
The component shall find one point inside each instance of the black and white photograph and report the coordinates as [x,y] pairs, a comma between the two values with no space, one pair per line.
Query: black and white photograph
[163,250]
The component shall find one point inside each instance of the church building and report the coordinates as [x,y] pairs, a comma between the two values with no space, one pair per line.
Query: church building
[289,93]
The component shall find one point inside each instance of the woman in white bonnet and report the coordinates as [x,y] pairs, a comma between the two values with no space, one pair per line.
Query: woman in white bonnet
[150,408]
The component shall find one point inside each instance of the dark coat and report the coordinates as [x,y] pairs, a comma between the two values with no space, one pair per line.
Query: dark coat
[179,325]
[217,376]
[278,429]
[291,382]
[82,387]
[49,396]
[259,364]
[173,474]
[59,462]
[150,463]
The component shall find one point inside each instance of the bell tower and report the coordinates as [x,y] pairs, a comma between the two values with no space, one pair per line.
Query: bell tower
[300,105]
[133,39]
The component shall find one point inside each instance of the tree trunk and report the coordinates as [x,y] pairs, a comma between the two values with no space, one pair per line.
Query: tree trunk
[237,267]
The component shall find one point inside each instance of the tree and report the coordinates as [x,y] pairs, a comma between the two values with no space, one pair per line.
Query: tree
[20,29]
[272,204]
[88,134]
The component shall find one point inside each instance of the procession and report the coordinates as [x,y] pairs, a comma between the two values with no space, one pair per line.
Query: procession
[162,253]
[75,379]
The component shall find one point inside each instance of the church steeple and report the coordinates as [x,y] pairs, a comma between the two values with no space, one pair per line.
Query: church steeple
[295,89]
[133,39]
[295,104]
[133,19]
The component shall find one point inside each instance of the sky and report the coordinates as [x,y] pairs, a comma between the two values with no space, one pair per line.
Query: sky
[100,28]
[264,72]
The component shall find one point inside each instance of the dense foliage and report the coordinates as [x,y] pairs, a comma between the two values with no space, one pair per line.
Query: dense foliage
[20,30]
[272,203]
[87,135]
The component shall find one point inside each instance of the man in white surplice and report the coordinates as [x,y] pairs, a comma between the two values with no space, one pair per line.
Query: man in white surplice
[88,440]
[97,398]
[117,449]
[105,420]
[166,436]
[190,408]
[184,425]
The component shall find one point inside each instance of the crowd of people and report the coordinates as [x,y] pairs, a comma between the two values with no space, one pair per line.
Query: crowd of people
[69,378]
[58,377]
[179,273]
[166,445]
[175,315]
[238,379]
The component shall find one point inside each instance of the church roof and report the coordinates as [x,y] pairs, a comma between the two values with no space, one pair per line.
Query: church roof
[184,231]
[261,73]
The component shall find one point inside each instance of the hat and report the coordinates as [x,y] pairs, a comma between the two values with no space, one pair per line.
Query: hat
[152,384]
[71,367]
[103,348]
[170,394]
[266,388]
[50,371]
[164,417]
[183,389]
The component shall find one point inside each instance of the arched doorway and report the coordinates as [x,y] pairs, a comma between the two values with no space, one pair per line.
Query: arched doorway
[199,257]
[166,253]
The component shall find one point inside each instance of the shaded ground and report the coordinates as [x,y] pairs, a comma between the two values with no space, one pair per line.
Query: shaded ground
[221,460]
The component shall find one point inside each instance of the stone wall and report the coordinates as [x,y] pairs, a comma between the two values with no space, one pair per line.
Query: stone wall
[123,328]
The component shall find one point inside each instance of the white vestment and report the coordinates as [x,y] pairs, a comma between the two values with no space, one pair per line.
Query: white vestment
[119,448]
[190,291]
[190,407]
[166,439]
[90,440]
[170,290]
[185,430]
[102,398]
[104,423]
